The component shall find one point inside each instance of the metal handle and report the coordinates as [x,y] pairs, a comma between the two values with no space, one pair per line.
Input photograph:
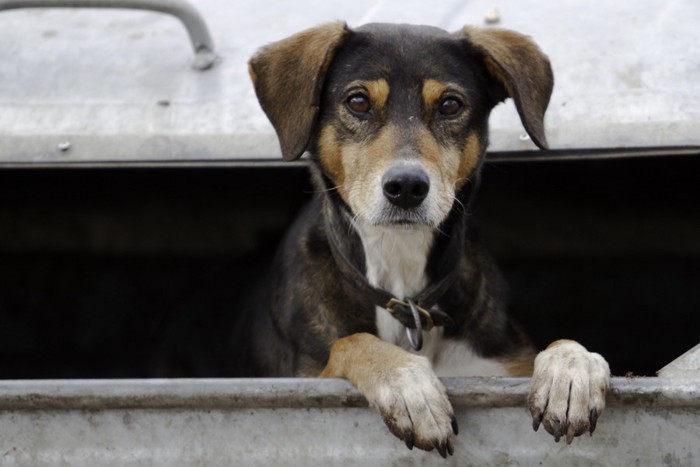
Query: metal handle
[186,13]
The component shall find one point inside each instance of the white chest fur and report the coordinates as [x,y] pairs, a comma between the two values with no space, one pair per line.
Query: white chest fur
[396,260]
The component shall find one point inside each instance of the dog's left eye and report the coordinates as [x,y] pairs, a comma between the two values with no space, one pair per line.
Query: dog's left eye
[358,103]
[449,107]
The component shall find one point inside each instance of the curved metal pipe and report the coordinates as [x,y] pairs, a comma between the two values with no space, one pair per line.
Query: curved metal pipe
[189,16]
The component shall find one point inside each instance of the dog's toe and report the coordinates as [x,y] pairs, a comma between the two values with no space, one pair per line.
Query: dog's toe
[414,405]
[568,390]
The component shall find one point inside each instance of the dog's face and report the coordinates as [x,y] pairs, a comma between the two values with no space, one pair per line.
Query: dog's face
[395,115]
[402,123]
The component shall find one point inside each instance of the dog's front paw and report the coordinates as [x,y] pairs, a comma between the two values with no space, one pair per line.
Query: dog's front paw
[414,405]
[568,390]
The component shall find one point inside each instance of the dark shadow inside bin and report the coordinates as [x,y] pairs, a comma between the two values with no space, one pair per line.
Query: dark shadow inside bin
[139,272]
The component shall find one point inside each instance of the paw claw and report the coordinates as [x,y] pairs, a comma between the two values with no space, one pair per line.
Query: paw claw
[409,440]
[536,419]
[570,433]
[593,420]
[455,427]
[556,430]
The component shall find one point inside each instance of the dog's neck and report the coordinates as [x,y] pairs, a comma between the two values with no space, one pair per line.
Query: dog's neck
[396,258]
[396,261]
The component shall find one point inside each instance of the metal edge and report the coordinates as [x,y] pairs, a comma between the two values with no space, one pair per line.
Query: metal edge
[232,394]
[592,154]
[498,157]
[156,164]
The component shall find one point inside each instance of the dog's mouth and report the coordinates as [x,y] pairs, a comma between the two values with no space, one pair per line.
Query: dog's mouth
[403,218]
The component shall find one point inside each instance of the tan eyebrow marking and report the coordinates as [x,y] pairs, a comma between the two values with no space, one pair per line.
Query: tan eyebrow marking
[432,91]
[378,91]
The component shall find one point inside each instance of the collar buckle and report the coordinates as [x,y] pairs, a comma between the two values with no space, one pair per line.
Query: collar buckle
[399,309]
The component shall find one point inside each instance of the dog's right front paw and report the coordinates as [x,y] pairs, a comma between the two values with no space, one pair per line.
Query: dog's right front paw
[402,386]
[414,405]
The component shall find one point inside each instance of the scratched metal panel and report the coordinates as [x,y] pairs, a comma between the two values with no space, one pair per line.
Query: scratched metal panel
[301,422]
[112,85]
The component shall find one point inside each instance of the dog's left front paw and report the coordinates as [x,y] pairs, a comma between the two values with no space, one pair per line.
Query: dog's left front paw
[568,390]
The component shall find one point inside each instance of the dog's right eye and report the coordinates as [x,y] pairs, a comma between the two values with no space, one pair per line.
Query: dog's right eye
[358,103]
[449,107]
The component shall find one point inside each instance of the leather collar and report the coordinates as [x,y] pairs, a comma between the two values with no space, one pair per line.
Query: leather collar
[417,313]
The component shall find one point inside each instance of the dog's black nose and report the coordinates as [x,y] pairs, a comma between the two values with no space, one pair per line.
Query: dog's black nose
[406,186]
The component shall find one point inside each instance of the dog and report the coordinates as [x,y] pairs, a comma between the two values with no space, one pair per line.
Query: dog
[382,279]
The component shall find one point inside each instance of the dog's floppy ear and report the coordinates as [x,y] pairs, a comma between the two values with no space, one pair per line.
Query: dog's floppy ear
[521,68]
[288,76]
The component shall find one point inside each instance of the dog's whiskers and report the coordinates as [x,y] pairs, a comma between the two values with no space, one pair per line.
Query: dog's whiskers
[353,224]
[460,205]
[331,189]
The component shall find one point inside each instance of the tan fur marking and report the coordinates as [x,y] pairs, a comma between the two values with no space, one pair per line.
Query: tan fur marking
[446,162]
[352,165]
[432,92]
[442,165]
[363,164]
[454,175]
[469,159]
[378,92]
[364,352]
[329,154]
[430,150]
[383,147]
[521,364]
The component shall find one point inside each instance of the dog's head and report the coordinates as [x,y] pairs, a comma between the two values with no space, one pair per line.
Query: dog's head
[396,115]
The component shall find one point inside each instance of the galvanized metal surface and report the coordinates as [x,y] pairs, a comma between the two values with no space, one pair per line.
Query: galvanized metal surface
[649,421]
[188,15]
[87,86]
[685,366]
[83,87]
